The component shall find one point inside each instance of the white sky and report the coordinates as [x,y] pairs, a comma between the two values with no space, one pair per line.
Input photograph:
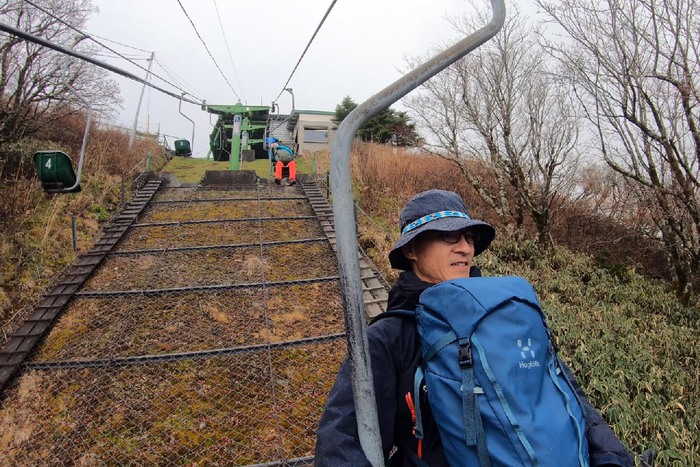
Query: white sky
[357,52]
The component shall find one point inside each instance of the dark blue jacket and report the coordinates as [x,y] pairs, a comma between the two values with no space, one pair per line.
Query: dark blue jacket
[395,351]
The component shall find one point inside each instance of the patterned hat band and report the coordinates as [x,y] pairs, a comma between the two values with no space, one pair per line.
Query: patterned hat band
[431,217]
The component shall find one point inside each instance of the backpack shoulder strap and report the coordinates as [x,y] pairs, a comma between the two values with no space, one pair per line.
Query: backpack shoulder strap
[410,314]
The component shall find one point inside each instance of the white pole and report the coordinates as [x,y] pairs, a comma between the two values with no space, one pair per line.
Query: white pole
[138,106]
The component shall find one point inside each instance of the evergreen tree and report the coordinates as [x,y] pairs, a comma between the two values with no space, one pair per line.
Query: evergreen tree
[382,127]
[343,109]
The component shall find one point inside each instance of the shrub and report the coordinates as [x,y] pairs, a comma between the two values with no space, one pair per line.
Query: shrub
[35,230]
[631,345]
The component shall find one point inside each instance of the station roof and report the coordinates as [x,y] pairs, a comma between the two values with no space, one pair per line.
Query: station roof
[236,108]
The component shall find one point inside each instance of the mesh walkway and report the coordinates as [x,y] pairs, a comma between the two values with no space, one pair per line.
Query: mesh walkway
[209,335]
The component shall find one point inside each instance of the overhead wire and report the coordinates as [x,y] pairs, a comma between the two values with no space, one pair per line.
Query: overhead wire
[119,43]
[29,37]
[175,77]
[223,32]
[111,55]
[207,49]
[88,36]
[307,48]
[37,40]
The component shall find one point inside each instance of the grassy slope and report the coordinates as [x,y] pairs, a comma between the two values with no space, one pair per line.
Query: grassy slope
[191,170]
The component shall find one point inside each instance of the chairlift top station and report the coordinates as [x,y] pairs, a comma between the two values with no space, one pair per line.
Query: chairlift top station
[239,134]
[238,130]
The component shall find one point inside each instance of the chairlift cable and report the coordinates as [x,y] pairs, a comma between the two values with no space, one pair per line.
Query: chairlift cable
[184,85]
[119,43]
[235,72]
[88,36]
[37,40]
[111,55]
[207,49]
[307,48]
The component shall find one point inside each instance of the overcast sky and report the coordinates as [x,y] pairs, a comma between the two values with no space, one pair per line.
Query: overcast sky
[358,51]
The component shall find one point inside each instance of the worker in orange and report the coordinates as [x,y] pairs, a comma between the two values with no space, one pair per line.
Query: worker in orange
[285,158]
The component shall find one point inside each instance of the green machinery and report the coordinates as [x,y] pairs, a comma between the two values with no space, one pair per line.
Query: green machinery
[239,131]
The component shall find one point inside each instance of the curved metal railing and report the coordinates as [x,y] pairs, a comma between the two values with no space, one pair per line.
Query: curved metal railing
[363,388]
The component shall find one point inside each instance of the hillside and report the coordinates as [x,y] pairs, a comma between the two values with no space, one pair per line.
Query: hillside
[196,339]
[631,345]
[36,239]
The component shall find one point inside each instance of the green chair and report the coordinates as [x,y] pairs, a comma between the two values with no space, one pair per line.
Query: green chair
[55,168]
[183,148]
[56,172]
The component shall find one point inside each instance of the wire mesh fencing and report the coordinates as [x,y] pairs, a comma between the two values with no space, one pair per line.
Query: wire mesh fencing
[211,335]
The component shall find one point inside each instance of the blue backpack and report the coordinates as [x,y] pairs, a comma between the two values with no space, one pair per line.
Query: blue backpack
[495,384]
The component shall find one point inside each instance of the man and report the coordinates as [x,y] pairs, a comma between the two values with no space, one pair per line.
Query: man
[285,158]
[438,243]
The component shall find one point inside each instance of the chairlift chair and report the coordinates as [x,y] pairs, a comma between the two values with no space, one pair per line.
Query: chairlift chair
[183,148]
[56,172]
[54,167]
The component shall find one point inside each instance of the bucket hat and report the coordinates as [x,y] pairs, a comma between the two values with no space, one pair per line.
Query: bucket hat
[439,210]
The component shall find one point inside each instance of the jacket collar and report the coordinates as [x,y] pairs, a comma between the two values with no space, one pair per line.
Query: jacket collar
[405,293]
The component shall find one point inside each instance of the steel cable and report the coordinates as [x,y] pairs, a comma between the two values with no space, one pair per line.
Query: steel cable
[207,49]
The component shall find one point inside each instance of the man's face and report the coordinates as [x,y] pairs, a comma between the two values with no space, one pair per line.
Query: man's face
[441,256]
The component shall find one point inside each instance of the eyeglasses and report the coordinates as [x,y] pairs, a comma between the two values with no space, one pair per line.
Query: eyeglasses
[470,236]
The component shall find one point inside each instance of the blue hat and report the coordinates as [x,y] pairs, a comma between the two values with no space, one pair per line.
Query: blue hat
[439,210]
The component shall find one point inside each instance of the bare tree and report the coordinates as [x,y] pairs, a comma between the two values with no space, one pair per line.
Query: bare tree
[636,65]
[33,88]
[502,107]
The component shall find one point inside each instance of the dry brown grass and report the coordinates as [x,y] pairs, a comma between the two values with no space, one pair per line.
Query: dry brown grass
[98,328]
[211,210]
[172,269]
[35,234]
[385,179]
[218,411]
[217,233]
[258,406]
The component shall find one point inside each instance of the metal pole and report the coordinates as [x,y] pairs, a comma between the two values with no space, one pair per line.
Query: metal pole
[88,121]
[328,185]
[122,192]
[179,109]
[290,91]
[75,233]
[346,234]
[132,136]
[234,162]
